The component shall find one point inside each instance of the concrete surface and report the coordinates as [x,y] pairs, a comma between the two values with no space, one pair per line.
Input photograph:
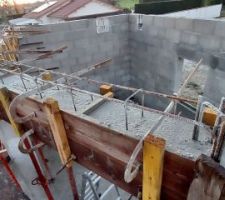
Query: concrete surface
[112,115]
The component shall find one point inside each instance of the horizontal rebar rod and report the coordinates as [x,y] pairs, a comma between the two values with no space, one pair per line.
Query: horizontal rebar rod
[28,77]
[174,97]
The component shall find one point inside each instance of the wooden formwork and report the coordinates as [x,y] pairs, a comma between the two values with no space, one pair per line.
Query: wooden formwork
[9,44]
[103,150]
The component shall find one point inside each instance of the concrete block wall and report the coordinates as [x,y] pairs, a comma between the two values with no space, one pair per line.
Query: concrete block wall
[153,56]
[86,47]
[156,51]
[150,58]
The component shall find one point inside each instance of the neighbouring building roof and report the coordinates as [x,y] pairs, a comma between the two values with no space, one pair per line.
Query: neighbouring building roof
[66,9]
[23,21]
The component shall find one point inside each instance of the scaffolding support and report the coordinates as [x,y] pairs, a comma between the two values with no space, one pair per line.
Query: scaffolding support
[9,171]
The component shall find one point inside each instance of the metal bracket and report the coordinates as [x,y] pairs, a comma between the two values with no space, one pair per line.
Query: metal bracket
[126,102]
[17,100]
[21,143]
[72,158]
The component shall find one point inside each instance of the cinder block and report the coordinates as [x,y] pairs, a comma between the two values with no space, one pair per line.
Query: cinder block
[184,24]
[148,20]
[173,35]
[79,24]
[159,21]
[164,84]
[132,19]
[206,27]
[59,27]
[153,31]
[219,28]
[190,37]
[118,19]
[188,52]
[210,42]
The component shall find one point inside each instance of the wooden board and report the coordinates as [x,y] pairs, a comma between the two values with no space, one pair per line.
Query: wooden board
[153,158]
[106,151]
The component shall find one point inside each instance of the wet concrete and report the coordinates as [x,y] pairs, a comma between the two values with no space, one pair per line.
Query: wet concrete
[177,132]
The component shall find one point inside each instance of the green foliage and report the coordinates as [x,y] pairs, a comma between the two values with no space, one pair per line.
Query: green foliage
[210,2]
[161,7]
[127,4]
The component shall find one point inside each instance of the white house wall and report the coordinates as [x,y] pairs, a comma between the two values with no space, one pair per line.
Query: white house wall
[198,13]
[92,8]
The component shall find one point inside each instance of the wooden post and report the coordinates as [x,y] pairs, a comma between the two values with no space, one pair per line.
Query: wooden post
[153,156]
[5,101]
[58,130]
[59,133]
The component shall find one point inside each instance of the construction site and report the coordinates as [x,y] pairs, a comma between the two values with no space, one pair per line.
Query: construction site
[96,108]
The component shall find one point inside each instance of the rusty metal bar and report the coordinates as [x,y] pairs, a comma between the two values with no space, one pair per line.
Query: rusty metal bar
[72,181]
[41,177]
[10,172]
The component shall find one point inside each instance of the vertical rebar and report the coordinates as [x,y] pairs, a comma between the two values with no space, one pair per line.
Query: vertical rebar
[72,183]
[41,177]
[195,134]
[2,80]
[38,88]
[125,106]
[21,77]
[143,104]
[71,93]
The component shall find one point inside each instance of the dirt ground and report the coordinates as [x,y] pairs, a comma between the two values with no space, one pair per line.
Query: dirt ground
[8,189]
[195,87]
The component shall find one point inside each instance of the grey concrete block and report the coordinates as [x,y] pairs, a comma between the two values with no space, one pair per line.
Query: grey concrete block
[169,22]
[79,24]
[153,31]
[184,24]
[190,37]
[60,27]
[222,47]
[188,52]
[215,87]
[132,19]
[148,20]
[204,26]
[173,35]
[118,19]
[219,28]
[210,42]
[163,84]
[159,21]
